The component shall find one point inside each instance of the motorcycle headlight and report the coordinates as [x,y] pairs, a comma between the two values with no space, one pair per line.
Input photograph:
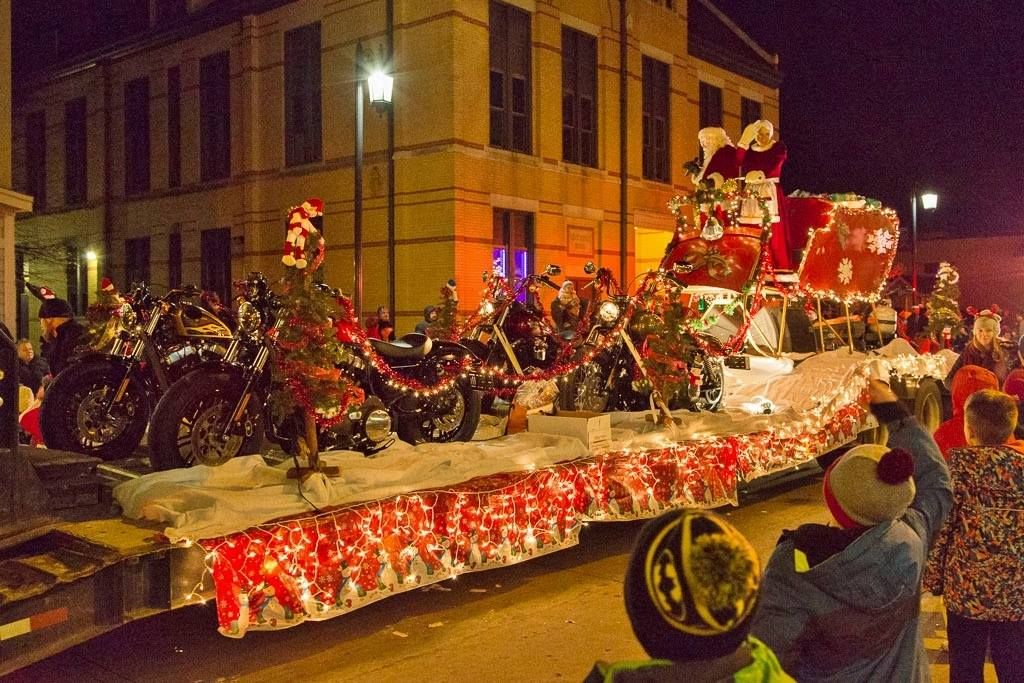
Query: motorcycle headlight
[377,426]
[126,317]
[249,318]
[608,312]
[486,309]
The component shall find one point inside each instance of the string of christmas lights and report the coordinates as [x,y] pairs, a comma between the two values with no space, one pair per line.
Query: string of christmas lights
[319,566]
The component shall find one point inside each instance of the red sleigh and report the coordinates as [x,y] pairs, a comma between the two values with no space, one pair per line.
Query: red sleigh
[850,246]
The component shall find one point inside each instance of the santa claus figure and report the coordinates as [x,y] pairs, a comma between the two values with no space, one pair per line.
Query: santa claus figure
[761,159]
[721,162]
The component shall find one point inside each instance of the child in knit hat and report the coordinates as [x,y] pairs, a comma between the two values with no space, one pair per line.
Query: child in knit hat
[977,563]
[842,603]
[691,588]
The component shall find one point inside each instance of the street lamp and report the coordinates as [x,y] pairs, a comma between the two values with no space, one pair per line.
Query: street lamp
[380,85]
[929,200]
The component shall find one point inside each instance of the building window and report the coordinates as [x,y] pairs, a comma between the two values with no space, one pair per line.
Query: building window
[579,97]
[136,136]
[302,129]
[750,111]
[174,260]
[710,105]
[75,149]
[214,117]
[174,127]
[510,78]
[512,245]
[215,262]
[655,108]
[35,157]
[136,261]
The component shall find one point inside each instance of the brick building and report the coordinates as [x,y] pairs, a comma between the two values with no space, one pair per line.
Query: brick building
[171,151]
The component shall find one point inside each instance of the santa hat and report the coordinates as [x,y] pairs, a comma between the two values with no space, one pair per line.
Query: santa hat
[691,586]
[869,485]
[107,286]
[987,320]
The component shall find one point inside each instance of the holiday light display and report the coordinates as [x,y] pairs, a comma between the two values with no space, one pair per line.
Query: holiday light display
[319,566]
[850,249]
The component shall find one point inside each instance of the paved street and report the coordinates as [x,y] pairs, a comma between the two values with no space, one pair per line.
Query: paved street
[545,620]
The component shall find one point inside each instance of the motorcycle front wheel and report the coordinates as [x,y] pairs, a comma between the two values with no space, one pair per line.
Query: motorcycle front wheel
[78,412]
[585,389]
[450,416]
[189,422]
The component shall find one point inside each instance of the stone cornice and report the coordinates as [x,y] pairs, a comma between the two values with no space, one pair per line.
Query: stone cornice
[11,201]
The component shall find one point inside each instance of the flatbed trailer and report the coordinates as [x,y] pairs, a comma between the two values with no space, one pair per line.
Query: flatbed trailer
[73,580]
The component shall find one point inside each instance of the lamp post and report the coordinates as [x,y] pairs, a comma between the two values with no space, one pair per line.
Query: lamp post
[929,200]
[380,86]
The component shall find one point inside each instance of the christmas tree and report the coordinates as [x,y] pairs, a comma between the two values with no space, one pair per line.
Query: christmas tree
[943,305]
[447,324]
[305,374]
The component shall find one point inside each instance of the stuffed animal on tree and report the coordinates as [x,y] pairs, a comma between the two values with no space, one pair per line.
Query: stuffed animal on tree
[300,226]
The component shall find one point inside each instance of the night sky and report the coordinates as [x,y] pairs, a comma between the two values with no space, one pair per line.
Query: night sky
[880,96]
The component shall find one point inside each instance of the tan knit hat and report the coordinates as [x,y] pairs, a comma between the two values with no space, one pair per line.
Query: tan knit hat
[869,485]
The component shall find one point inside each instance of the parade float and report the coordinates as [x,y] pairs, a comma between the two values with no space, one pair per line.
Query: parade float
[277,552]
[688,367]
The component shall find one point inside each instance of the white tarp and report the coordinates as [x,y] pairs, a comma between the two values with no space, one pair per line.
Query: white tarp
[204,502]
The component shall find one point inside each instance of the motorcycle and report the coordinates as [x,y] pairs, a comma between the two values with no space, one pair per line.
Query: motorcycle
[222,408]
[611,374]
[100,405]
[512,335]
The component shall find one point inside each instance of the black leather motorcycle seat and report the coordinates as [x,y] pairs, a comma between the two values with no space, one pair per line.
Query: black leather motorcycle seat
[410,346]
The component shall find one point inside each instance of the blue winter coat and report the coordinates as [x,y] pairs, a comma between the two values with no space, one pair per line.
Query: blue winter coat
[854,616]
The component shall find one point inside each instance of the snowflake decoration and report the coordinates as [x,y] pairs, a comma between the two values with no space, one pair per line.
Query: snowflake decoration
[845,271]
[880,241]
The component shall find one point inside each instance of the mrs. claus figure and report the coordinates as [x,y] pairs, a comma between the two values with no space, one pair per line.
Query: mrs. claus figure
[761,159]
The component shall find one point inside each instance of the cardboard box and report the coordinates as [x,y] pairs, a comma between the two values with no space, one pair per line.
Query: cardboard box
[593,429]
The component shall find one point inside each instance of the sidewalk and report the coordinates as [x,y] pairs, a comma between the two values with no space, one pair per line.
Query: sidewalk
[933,631]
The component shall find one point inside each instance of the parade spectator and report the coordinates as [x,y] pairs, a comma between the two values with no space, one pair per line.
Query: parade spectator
[984,348]
[977,563]
[31,368]
[881,322]
[917,322]
[565,309]
[429,318]
[1014,386]
[968,380]
[691,588]
[61,332]
[380,326]
[843,604]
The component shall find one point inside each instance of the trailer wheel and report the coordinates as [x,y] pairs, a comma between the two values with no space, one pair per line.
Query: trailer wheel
[928,404]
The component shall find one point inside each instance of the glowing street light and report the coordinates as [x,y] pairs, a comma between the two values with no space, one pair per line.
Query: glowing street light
[929,200]
[372,77]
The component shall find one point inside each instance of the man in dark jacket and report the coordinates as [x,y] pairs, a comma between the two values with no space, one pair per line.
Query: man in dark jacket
[843,604]
[61,333]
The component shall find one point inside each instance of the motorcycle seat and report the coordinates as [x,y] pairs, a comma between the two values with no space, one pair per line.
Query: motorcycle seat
[410,346]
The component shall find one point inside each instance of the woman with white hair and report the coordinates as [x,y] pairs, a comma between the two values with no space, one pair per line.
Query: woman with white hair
[721,161]
[761,159]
